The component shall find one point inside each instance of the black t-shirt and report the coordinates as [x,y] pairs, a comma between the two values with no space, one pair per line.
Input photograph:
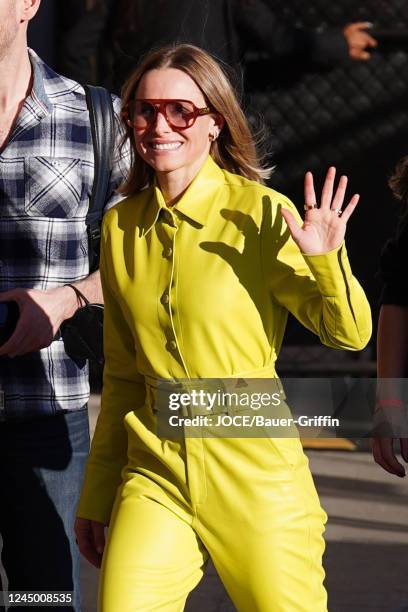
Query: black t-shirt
[393,266]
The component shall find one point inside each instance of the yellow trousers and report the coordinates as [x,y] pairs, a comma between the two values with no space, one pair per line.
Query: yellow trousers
[248,503]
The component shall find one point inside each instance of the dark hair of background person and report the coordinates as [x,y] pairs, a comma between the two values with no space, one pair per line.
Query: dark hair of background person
[398,182]
[234,149]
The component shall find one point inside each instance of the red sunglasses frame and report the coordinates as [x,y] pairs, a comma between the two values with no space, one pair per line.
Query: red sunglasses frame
[159,105]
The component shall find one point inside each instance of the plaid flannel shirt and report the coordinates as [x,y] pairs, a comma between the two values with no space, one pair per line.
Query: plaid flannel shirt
[46,178]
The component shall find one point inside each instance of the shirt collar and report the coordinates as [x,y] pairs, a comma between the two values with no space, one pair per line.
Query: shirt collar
[49,87]
[195,203]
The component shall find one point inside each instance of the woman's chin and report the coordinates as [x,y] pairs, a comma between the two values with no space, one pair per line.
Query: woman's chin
[164,164]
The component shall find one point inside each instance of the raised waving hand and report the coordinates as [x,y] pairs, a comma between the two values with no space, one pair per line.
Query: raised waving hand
[324,226]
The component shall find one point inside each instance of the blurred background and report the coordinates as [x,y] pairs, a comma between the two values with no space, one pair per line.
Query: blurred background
[318,106]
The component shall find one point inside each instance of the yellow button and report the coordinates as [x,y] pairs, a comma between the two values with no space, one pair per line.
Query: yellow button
[173,345]
[168,252]
[165,298]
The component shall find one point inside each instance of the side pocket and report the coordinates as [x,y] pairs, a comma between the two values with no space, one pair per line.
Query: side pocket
[289,449]
[283,434]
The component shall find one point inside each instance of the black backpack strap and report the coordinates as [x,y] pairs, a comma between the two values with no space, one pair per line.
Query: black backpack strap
[102,119]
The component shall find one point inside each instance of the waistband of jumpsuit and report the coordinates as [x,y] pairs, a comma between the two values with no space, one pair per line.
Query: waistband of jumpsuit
[227,384]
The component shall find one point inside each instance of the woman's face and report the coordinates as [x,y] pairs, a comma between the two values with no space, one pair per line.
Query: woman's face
[168,149]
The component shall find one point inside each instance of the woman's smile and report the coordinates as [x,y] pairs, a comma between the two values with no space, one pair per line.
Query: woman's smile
[165,145]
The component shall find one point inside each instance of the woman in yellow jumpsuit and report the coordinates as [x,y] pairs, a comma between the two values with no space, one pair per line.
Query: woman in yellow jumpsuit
[200,266]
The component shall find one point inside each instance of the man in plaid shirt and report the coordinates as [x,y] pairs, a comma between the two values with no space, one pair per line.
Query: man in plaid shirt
[46,178]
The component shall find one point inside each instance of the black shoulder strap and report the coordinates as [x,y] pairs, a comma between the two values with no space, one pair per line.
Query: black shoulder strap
[101,115]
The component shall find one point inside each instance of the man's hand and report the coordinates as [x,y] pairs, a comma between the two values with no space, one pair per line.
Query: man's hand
[385,455]
[41,314]
[90,537]
[359,40]
[390,431]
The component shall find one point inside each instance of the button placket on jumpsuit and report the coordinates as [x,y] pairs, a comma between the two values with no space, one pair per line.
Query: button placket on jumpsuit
[230,277]
[167,228]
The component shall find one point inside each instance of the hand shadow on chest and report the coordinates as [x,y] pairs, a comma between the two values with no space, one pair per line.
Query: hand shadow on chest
[259,257]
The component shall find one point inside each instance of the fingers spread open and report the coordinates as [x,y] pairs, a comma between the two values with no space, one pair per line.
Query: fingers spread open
[292,224]
[340,193]
[348,211]
[310,196]
[327,191]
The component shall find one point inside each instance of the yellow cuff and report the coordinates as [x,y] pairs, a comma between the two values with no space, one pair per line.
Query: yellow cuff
[331,270]
[98,494]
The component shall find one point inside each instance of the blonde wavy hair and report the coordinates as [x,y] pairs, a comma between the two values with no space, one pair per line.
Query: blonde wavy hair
[234,150]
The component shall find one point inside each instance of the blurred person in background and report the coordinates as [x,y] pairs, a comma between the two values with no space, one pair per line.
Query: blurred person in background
[102,41]
[392,340]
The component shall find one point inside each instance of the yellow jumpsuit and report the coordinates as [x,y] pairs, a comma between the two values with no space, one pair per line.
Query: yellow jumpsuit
[198,291]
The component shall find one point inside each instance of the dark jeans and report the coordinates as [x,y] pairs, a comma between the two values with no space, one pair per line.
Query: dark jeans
[41,470]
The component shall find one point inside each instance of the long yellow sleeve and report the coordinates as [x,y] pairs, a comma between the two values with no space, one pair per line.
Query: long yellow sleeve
[123,391]
[319,290]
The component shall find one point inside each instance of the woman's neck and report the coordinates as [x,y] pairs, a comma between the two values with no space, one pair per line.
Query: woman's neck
[172,187]
[174,183]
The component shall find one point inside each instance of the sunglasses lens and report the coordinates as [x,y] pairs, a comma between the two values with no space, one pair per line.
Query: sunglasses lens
[142,113]
[180,113]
